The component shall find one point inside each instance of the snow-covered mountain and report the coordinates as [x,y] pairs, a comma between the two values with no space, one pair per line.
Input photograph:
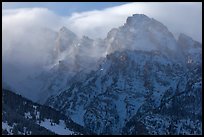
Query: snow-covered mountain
[21,116]
[138,80]
[125,84]
[142,33]
[145,77]
[179,112]
[75,54]
[71,55]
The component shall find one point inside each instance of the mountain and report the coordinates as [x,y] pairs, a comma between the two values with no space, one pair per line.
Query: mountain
[192,50]
[74,58]
[142,33]
[138,80]
[66,39]
[179,113]
[21,116]
[145,80]
[147,35]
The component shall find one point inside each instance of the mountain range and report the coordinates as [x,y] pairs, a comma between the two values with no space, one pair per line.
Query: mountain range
[140,79]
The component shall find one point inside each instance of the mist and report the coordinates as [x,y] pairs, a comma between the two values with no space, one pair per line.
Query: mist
[179,18]
[29,34]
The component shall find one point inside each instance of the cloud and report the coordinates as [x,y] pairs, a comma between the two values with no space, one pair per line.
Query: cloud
[178,17]
[25,26]
[29,34]
[26,42]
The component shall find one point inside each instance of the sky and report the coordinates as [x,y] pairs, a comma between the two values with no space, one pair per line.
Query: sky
[63,8]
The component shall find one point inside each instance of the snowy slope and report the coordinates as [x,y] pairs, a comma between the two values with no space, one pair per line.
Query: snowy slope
[59,129]
[22,116]
[115,92]
[144,69]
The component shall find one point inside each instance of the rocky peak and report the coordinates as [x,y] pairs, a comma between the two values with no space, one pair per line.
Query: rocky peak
[142,33]
[86,40]
[187,42]
[66,31]
[191,49]
[66,39]
[137,18]
[183,36]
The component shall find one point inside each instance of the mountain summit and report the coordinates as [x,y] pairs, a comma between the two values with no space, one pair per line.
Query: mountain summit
[142,33]
[65,40]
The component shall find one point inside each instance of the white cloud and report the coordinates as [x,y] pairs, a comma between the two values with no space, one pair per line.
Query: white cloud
[26,44]
[22,28]
[22,24]
[178,17]
[25,41]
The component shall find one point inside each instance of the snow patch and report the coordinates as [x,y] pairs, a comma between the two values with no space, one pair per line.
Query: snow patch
[8,128]
[28,116]
[59,129]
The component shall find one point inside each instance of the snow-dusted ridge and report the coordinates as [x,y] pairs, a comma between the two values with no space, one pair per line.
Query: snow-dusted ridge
[23,117]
